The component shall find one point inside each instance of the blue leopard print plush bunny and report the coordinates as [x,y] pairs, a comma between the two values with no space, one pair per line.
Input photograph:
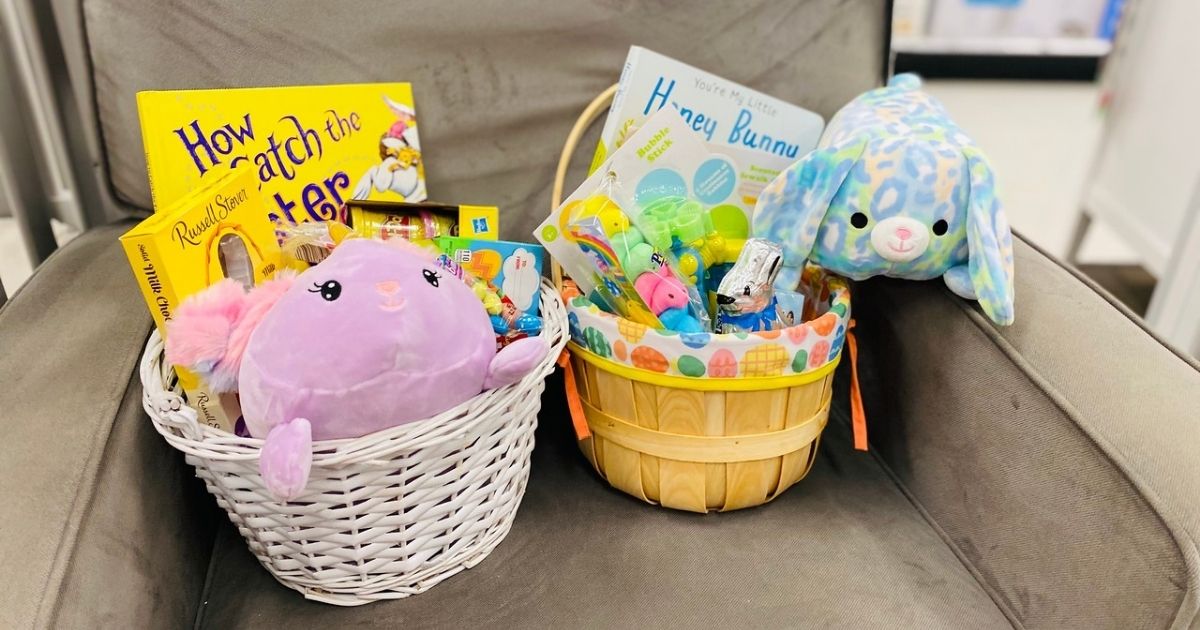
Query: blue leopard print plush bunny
[894,188]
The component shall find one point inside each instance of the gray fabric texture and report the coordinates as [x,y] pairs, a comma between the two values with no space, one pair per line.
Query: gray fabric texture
[497,84]
[1055,457]
[102,525]
[1058,455]
[842,549]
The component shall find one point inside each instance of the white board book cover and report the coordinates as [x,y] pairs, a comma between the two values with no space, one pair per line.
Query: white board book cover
[763,134]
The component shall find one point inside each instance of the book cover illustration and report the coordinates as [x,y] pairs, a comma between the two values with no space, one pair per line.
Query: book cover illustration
[761,133]
[312,148]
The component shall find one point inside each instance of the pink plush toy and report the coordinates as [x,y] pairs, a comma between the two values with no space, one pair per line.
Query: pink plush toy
[661,290]
[374,336]
[668,299]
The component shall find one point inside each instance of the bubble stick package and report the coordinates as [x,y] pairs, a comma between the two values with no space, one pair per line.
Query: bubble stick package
[664,159]
[684,228]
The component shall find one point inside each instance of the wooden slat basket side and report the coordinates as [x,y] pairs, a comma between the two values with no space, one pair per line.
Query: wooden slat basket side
[700,450]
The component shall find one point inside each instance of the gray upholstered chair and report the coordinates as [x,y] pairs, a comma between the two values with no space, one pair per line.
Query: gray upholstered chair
[1043,475]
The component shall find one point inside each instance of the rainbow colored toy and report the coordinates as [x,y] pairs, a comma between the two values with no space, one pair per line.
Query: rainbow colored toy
[613,286]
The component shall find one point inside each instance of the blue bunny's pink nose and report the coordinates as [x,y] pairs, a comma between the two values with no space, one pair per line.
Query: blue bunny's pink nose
[387,288]
[903,233]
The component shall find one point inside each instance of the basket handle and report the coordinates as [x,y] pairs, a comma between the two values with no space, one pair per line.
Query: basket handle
[585,120]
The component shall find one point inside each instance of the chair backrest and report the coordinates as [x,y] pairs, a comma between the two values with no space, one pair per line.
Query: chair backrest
[497,84]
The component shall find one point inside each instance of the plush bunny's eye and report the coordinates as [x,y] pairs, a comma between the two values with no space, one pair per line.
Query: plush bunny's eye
[330,290]
[858,220]
[430,277]
[940,226]
[746,291]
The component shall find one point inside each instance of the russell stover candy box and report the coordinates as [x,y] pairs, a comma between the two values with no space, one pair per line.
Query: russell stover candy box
[220,231]
[312,148]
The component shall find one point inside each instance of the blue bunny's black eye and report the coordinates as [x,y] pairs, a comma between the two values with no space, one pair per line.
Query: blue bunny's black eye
[858,220]
[940,226]
[430,277]
[330,289]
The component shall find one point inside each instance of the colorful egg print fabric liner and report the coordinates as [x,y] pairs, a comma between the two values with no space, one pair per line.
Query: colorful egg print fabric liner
[791,351]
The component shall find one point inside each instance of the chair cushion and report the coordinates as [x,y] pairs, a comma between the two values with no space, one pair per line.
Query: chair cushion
[1058,454]
[843,548]
[90,491]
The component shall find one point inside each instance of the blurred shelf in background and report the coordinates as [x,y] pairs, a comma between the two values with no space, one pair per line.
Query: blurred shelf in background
[1009,39]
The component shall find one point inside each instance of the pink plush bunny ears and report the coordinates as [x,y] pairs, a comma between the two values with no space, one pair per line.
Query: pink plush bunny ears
[210,330]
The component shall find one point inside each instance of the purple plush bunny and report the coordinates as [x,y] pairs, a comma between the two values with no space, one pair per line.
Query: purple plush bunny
[374,336]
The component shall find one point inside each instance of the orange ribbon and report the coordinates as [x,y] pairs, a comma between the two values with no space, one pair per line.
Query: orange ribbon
[858,416]
[574,405]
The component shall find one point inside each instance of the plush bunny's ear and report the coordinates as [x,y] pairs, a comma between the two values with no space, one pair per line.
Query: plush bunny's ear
[989,241]
[791,208]
[209,331]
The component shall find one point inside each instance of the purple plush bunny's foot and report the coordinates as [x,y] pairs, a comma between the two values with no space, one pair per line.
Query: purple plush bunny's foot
[286,458]
[515,360]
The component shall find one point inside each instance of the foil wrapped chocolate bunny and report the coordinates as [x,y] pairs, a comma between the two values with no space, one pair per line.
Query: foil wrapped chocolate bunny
[746,300]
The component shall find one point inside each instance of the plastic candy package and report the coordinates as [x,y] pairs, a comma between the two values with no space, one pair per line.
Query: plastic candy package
[791,307]
[306,244]
[508,322]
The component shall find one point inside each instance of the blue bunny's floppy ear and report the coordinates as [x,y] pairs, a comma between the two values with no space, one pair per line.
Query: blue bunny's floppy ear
[791,208]
[989,241]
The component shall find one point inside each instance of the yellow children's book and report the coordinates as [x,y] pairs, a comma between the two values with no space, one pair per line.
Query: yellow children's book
[312,148]
[220,231]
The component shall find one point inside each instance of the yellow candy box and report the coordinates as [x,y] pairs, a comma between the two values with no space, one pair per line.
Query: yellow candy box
[220,231]
[422,222]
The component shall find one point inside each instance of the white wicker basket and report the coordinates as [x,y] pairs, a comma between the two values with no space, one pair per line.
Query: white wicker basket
[386,515]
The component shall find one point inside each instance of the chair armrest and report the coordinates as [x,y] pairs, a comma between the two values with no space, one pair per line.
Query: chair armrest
[1058,456]
[103,525]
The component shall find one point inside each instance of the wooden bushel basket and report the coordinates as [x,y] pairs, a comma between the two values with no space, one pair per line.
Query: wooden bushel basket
[702,444]
[698,450]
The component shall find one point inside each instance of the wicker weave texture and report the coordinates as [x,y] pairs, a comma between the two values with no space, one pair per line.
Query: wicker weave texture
[386,515]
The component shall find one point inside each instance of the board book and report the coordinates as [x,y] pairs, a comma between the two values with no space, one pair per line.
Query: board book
[761,133]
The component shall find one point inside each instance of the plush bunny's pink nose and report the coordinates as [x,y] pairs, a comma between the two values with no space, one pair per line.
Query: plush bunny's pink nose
[903,233]
[387,288]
